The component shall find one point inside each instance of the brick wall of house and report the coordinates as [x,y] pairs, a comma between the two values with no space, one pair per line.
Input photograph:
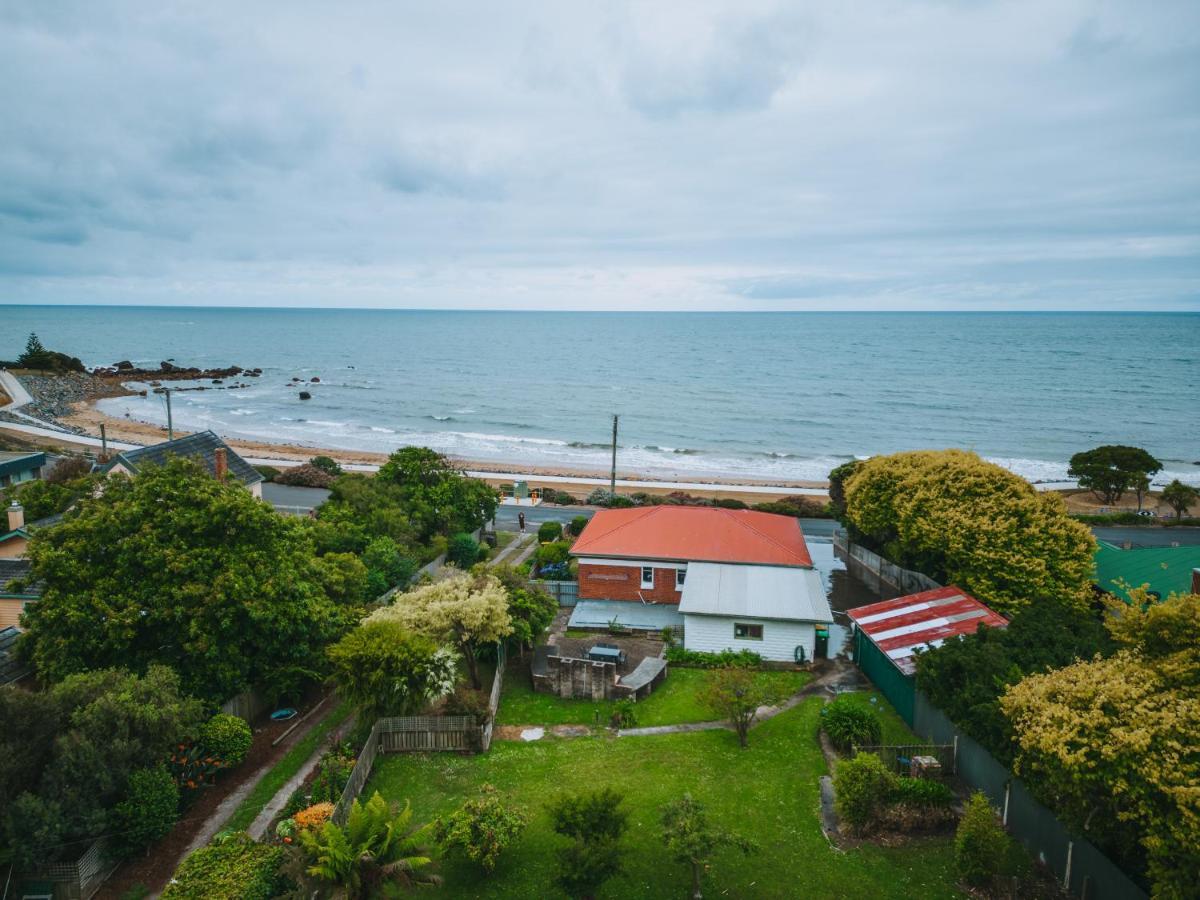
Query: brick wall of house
[617,582]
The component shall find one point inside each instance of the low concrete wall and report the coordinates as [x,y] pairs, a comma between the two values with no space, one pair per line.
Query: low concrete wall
[577,679]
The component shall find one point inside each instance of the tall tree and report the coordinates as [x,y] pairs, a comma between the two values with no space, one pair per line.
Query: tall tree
[438,496]
[594,822]
[1113,469]
[467,610]
[693,840]
[388,670]
[175,567]
[1113,745]
[1180,497]
[967,522]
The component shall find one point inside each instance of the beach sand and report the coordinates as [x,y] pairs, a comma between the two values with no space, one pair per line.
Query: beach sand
[87,417]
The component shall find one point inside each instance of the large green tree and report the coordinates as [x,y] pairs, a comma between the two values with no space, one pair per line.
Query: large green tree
[1113,744]
[388,670]
[438,496]
[1180,497]
[1113,469]
[967,522]
[175,567]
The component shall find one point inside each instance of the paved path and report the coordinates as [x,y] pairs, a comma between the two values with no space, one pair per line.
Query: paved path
[517,545]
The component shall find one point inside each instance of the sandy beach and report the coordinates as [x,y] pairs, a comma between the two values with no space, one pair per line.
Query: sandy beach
[85,416]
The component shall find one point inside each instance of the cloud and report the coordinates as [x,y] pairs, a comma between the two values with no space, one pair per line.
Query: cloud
[699,155]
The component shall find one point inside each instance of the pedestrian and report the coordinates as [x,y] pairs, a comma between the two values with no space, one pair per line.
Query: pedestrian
[521,521]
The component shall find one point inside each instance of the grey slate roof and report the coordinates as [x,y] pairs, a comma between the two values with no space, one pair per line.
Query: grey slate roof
[13,569]
[11,668]
[199,446]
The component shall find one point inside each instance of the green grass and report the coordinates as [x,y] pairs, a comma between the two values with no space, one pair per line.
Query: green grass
[768,793]
[895,729]
[675,701]
[288,766]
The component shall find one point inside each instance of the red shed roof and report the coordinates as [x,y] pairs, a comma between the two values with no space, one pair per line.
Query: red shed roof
[695,533]
[899,626]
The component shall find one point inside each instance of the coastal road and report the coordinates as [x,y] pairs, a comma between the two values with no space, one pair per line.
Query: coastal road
[506,518]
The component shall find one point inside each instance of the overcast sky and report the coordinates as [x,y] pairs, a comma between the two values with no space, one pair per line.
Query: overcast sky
[865,155]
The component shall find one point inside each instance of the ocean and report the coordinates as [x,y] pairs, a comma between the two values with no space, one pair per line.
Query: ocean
[777,396]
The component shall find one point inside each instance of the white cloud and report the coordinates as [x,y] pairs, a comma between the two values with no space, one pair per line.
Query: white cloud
[698,155]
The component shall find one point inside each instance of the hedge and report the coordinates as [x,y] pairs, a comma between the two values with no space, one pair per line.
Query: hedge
[232,867]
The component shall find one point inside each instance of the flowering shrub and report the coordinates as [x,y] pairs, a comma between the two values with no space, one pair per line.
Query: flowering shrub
[226,737]
[286,830]
[192,766]
[316,815]
[481,829]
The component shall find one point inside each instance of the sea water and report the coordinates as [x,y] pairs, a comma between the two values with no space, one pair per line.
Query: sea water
[779,396]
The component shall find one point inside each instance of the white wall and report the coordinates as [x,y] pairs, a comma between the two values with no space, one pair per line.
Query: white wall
[713,634]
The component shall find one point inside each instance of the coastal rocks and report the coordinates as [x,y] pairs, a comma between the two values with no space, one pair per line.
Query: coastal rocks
[305,395]
[123,365]
[315,380]
[294,378]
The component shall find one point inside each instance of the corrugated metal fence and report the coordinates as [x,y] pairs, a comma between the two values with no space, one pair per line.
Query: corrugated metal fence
[565,592]
[1082,869]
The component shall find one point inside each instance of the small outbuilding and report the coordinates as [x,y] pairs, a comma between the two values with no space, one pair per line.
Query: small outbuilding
[888,634]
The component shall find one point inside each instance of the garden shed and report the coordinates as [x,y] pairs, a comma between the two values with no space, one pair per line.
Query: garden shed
[888,634]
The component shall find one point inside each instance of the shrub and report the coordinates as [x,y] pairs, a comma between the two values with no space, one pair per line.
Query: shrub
[232,867]
[699,659]
[306,475]
[562,498]
[466,701]
[578,524]
[800,507]
[624,714]
[481,829]
[552,554]
[595,823]
[226,737]
[463,551]
[863,786]
[549,531]
[980,844]
[326,464]
[848,723]
[729,503]
[922,792]
[333,773]
[314,816]
[68,468]
[269,473]
[149,810]
[667,635]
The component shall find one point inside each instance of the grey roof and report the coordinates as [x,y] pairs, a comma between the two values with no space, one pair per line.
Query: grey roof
[11,668]
[757,592]
[200,446]
[630,613]
[14,569]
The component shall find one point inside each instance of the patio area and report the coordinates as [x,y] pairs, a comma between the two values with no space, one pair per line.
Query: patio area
[630,615]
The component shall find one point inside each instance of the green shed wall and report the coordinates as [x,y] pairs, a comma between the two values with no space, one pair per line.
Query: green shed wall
[892,683]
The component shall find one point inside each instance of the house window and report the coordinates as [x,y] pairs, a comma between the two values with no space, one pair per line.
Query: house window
[680,577]
[647,576]
[744,631]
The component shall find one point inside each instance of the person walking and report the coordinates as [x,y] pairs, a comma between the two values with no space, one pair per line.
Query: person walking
[521,521]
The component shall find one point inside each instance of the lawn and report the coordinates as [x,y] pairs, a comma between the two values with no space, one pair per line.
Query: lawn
[768,793]
[675,701]
[895,729]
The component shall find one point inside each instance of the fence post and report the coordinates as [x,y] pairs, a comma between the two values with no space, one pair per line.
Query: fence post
[956,753]
[1067,876]
[1007,791]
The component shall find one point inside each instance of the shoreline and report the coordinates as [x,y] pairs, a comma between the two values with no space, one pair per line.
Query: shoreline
[86,417]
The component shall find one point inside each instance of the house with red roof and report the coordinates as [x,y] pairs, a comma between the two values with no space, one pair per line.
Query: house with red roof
[888,634]
[733,579]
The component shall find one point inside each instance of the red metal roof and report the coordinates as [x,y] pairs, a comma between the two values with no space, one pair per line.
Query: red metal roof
[695,533]
[899,626]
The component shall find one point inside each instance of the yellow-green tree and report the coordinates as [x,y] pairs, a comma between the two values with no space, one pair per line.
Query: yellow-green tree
[466,609]
[1114,744]
[968,522]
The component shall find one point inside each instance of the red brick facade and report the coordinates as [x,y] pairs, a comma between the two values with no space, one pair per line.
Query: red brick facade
[618,582]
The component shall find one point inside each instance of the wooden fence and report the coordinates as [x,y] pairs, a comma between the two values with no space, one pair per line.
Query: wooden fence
[248,705]
[421,734]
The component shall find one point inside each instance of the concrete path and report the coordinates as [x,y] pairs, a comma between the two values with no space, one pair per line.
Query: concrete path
[519,543]
[16,391]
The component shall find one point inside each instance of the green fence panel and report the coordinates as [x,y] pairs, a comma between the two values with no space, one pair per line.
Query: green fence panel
[892,683]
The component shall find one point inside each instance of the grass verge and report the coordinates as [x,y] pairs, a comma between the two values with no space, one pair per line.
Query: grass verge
[269,785]
[768,793]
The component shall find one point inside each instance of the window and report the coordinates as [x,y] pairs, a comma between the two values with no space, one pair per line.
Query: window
[647,576]
[680,577]
[746,632]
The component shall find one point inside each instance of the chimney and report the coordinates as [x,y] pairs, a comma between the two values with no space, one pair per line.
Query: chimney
[220,463]
[16,516]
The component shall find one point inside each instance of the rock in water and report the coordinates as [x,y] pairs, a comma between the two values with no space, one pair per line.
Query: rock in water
[305,395]
[315,380]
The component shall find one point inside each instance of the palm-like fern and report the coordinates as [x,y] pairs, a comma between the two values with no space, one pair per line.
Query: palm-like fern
[378,848]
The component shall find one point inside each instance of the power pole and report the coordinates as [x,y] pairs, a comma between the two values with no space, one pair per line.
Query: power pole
[612,482]
[170,424]
[103,442]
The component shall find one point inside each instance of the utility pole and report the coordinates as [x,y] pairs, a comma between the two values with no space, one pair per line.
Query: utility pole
[612,482]
[170,424]
[103,442]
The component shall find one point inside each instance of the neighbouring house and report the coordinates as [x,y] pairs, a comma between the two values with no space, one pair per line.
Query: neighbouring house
[204,446]
[19,466]
[16,593]
[1162,570]
[15,537]
[888,634]
[733,579]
